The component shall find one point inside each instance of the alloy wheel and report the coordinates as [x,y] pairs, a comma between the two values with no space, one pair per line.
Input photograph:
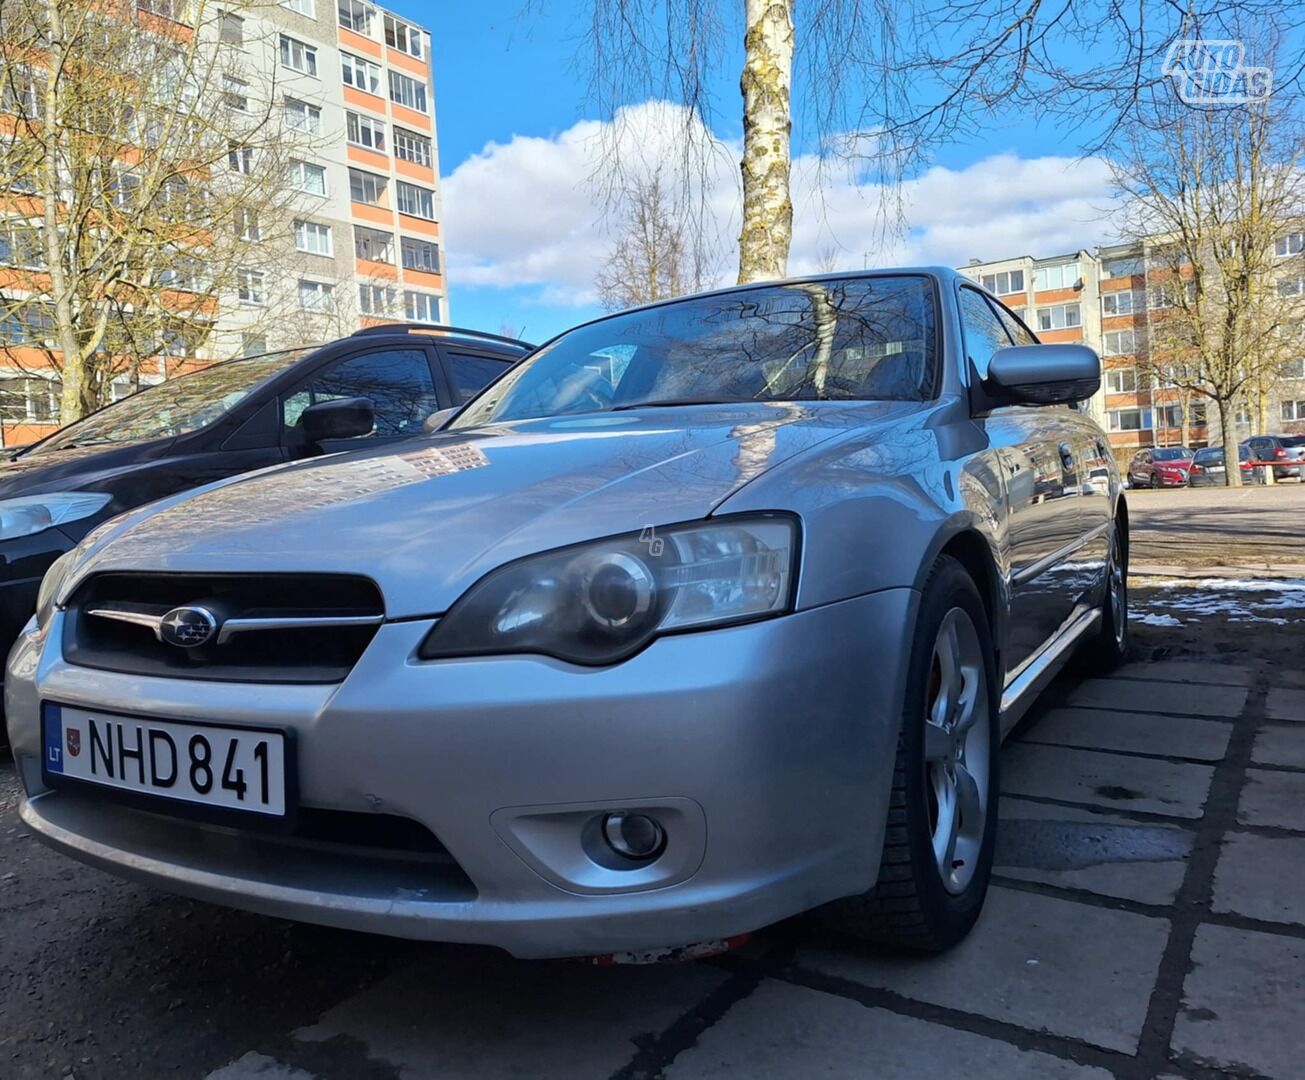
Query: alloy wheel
[957,750]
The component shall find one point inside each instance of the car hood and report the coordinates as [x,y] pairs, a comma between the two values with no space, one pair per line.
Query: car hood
[427,517]
[79,468]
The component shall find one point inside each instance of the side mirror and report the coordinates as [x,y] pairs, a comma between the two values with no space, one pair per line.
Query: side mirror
[1042,374]
[436,420]
[345,418]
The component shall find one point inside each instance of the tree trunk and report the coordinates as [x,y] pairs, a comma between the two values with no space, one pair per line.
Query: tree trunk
[1232,462]
[767,124]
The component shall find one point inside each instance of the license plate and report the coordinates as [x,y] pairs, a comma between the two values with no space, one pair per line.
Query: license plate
[224,768]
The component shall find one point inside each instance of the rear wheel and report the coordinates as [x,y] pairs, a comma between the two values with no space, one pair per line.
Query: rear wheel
[1108,648]
[942,817]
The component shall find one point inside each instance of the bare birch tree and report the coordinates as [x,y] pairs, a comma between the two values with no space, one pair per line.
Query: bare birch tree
[152,168]
[887,84]
[656,254]
[1209,192]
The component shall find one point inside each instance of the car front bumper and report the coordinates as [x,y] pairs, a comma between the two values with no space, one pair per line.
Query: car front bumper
[765,750]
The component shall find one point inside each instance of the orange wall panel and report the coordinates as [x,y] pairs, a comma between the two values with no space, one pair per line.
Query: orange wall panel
[368,268]
[359,44]
[401,61]
[1057,296]
[360,99]
[368,159]
[424,173]
[380,215]
[422,279]
[411,118]
[419,225]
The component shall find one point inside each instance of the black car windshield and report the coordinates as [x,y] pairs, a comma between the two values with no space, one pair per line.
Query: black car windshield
[1175,453]
[869,338]
[186,403]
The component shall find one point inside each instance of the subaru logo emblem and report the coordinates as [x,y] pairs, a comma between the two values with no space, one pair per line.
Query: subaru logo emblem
[187,627]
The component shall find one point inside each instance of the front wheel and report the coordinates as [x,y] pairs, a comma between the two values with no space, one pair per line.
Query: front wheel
[942,816]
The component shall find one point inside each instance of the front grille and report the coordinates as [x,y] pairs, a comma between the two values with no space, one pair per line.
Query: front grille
[261,605]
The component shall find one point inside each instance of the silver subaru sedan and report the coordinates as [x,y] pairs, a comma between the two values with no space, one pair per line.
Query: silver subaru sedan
[703,615]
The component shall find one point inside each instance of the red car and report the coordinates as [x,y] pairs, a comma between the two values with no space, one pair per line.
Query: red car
[1166,466]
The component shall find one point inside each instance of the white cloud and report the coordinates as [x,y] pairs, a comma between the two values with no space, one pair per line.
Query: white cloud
[528,213]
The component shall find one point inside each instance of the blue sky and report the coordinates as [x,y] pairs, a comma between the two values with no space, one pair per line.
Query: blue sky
[524,232]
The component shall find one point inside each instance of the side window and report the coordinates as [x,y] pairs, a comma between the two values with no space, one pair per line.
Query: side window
[398,382]
[1019,333]
[469,374]
[984,333]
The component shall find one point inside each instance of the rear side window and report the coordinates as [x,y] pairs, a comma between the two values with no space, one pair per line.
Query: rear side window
[470,374]
[984,333]
[398,383]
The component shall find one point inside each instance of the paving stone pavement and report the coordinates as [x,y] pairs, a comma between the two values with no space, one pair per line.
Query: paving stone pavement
[1146,922]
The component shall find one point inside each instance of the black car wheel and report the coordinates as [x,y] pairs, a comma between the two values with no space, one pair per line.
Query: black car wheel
[942,817]
[1108,647]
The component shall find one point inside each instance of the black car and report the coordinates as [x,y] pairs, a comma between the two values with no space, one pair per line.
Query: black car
[1208,468]
[379,384]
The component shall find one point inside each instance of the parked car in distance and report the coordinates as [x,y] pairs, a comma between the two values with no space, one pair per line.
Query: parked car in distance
[1162,466]
[229,418]
[1208,468]
[777,566]
[1289,449]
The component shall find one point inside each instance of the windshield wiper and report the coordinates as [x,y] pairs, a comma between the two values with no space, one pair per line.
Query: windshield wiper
[668,403]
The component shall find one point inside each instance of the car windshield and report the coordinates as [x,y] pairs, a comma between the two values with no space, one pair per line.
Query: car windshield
[1175,453]
[1293,440]
[868,338]
[1212,456]
[186,403]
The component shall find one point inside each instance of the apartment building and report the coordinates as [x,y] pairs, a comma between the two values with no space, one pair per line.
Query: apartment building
[364,244]
[1115,299]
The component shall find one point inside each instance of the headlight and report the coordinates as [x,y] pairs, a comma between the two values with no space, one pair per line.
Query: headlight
[601,602]
[36,513]
[50,584]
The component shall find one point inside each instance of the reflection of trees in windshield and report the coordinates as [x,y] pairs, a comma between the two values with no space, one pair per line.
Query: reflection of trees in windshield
[844,339]
[183,404]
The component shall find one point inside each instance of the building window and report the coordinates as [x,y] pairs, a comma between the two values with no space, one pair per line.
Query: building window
[298,55]
[1121,381]
[1171,416]
[1118,343]
[365,187]
[231,29]
[1291,244]
[357,16]
[410,93]
[1123,266]
[1292,286]
[30,325]
[1169,294]
[375,245]
[399,35]
[421,255]
[30,400]
[305,176]
[412,147]
[301,7]
[1129,419]
[416,202]
[246,224]
[240,158]
[1059,276]
[1118,303]
[166,9]
[1059,317]
[21,246]
[302,116]
[1293,410]
[421,307]
[1005,283]
[252,344]
[20,92]
[250,287]
[313,238]
[235,94]
[360,74]
[376,300]
[1294,369]
[364,131]
[315,295]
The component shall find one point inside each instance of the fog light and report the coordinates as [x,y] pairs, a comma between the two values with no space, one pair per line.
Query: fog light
[634,836]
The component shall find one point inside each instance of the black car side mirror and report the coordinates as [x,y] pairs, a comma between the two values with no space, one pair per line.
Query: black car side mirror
[1042,375]
[436,420]
[345,418]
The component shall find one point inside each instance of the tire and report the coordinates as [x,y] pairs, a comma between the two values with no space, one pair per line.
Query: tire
[912,906]
[1108,647]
